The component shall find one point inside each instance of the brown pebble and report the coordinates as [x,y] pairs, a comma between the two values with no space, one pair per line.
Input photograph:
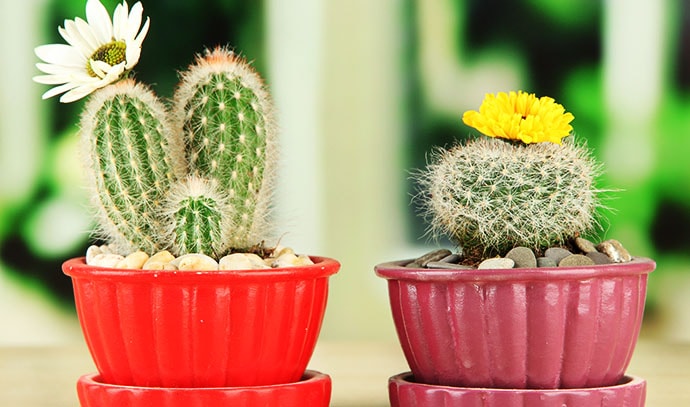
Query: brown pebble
[576,260]
[585,245]
[615,250]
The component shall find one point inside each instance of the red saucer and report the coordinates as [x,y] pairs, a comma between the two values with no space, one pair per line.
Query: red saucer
[313,390]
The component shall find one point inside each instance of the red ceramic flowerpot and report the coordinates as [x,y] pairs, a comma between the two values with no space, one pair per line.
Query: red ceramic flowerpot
[566,327]
[405,392]
[201,328]
[313,390]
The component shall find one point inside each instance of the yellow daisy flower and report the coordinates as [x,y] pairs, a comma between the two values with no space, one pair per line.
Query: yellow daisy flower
[521,116]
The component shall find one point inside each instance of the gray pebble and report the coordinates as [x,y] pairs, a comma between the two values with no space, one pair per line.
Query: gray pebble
[576,260]
[615,250]
[447,266]
[599,258]
[557,253]
[435,255]
[496,263]
[546,262]
[453,258]
[523,257]
[585,245]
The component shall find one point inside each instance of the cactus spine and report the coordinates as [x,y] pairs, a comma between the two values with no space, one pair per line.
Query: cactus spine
[199,182]
[491,195]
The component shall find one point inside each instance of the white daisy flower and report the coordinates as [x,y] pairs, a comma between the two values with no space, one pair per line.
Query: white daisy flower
[100,51]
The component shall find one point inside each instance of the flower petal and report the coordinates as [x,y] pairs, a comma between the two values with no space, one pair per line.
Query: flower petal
[142,34]
[60,54]
[120,21]
[59,89]
[75,39]
[77,93]
[87,33]
[132,54]
[134,21]
[99,20]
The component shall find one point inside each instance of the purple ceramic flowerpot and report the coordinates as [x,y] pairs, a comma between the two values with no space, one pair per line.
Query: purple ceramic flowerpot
[543,328]
[405,392]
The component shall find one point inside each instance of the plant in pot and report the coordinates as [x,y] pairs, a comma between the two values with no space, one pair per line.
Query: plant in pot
[184,304]
[527,311]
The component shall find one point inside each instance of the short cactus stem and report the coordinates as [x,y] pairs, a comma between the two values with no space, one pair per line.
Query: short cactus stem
[491,195]
[132,161]
[197,218]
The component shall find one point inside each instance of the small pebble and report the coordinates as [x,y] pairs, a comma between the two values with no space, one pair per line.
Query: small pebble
[496,263]
[599,258]
[523,257]
[546,262]
[576,260]
[133,261]
[290,260]
[585,245]
[453,258]
[615,250]
[159,260]
[242,261]
[92,252]
[447,266]
[557,253]
[106,260]
[195,261]
[435,255]
[280,250]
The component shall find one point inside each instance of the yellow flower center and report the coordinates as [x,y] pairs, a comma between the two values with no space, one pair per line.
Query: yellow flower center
[521,116]
[111,53]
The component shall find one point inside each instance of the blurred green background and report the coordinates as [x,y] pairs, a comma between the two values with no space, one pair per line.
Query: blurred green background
[364,89]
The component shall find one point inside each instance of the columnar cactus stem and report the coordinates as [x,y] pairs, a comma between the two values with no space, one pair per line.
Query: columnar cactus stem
[132,161]
[225,115]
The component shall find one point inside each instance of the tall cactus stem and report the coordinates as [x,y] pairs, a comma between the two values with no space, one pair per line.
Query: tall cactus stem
[224,112]
[131,161]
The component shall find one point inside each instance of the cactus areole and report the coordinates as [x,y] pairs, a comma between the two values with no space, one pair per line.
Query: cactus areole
[193,178]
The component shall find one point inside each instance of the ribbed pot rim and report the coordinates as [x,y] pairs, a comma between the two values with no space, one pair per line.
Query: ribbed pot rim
[396,270]
[407,379]
[322,267]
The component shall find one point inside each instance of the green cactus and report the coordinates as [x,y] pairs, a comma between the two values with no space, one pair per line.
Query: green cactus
[132,162]
[199,182]
[223,110]
[491,195]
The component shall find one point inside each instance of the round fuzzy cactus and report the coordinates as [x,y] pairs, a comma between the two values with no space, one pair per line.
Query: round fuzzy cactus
[493,194]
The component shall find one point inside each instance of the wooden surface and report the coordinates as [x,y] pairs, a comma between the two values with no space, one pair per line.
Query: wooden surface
[46,377]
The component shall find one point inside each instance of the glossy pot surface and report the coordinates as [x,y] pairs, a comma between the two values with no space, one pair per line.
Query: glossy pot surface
[570,327]
[201,328]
